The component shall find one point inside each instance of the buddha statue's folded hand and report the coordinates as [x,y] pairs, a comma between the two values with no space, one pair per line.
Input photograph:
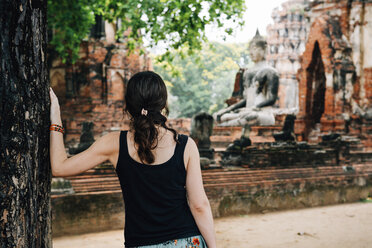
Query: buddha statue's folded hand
[217,115]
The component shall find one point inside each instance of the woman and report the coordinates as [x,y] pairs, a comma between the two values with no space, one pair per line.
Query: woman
[158,170]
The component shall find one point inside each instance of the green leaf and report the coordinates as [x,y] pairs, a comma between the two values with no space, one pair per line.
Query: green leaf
[177,23]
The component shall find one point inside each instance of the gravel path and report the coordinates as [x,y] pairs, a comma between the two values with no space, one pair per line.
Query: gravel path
[341,226]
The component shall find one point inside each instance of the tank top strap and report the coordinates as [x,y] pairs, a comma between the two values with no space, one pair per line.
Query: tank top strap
[180,149]
[123,143]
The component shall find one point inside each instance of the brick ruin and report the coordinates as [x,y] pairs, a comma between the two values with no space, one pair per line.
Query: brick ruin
[92,89]
[335,75]
[286,40]
[322,52]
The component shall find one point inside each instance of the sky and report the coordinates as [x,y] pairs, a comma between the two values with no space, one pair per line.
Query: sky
[257,15]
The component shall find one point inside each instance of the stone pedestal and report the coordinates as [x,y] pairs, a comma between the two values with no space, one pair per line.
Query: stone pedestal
[201,130]
[61,186]
[86,138]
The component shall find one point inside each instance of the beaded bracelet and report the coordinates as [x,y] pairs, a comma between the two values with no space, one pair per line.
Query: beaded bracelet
[56,127]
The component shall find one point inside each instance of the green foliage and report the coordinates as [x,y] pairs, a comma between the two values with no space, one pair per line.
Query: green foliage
[367,200]
[71,22]
[202,81]
[177,23]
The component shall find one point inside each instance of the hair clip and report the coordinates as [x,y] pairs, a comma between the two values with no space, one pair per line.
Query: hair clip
[144,112]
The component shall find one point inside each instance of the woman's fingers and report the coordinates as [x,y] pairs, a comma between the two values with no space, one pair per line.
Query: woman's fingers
[52,94]
[53,98]
[55,114]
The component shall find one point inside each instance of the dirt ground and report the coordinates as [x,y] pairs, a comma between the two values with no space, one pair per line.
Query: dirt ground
[341,226]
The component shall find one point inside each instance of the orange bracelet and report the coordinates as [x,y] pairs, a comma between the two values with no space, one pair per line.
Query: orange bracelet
[56,127]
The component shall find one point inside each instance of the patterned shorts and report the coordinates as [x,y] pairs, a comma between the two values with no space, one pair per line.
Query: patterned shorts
[190,242]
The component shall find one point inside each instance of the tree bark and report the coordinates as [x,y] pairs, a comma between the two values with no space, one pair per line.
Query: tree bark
[25,175]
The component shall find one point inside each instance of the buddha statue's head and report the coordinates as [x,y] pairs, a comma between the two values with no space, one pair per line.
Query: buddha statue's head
[257,48]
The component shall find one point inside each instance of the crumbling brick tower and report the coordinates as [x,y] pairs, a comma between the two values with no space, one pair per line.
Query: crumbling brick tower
[336,70]
[286,39]
[92,90]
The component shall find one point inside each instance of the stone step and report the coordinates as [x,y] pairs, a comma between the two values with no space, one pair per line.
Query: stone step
[97,189]
[266,170]
[220,177]
[221,139]
[326,180]
[226,171]
[227,131]
[277,175]
[102,179]
[82,176]
[243,177]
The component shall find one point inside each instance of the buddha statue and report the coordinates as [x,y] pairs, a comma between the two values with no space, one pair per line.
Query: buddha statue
[260,92]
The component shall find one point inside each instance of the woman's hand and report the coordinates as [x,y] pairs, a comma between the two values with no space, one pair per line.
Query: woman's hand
[55,113]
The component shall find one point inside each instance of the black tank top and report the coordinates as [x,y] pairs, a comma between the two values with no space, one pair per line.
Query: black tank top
[156,208]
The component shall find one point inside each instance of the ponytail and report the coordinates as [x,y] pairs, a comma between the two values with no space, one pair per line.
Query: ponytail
[146,134]
[146,97]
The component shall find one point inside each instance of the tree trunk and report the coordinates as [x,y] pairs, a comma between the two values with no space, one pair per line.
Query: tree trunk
[25,175]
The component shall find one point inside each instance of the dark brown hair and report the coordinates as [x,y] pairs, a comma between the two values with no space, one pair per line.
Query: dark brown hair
[146,90]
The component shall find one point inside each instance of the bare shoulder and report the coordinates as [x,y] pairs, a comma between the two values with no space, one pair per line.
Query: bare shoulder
[112,135]
[191,152]
[114,140]
[190,144]
[108,143]
[110,138]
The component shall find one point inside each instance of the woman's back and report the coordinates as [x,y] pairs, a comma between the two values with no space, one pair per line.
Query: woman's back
[163,151]
[156,168]
[156,208]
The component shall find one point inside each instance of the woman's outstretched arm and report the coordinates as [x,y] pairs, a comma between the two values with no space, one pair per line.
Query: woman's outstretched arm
[198,201]
[100,151]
